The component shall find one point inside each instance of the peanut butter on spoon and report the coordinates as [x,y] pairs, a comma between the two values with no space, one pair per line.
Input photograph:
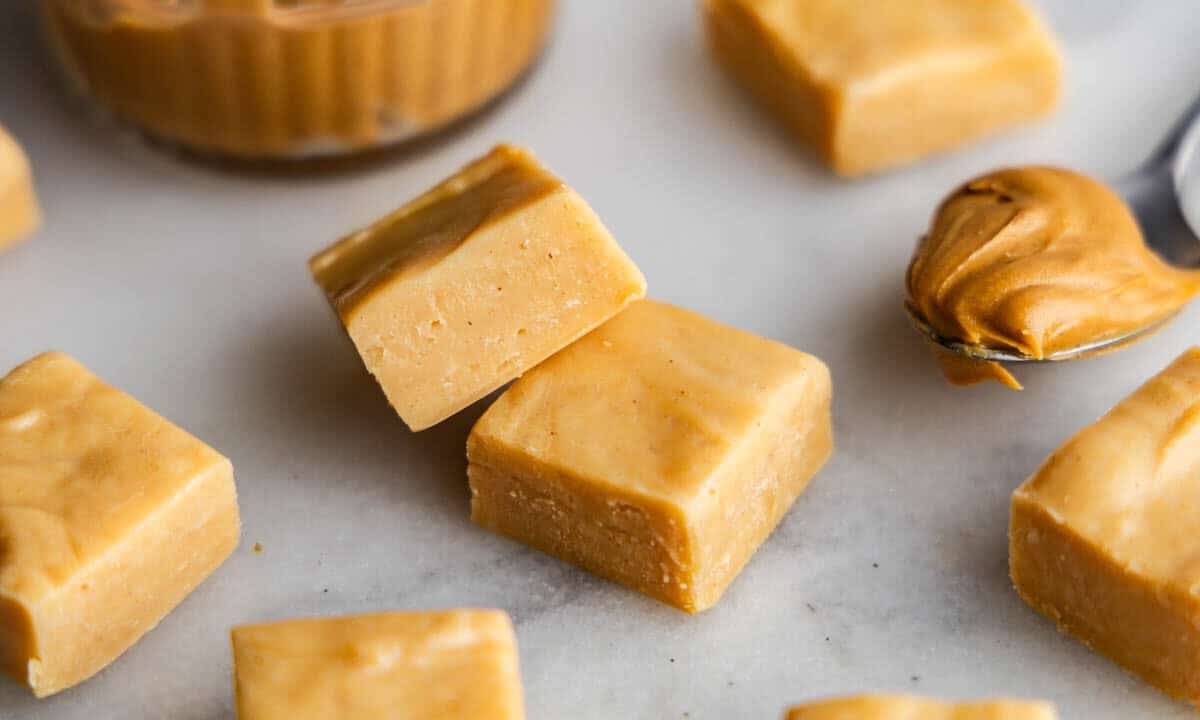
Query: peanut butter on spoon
[1033,261]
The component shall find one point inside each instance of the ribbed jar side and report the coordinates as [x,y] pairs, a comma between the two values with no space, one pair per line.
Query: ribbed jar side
[278,86]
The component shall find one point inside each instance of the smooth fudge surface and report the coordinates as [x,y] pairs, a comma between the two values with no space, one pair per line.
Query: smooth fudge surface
[1103,538]
[872,84]
[445,665]
[109,517]
[474,283]
[19,213]
[658,451]
[907,707]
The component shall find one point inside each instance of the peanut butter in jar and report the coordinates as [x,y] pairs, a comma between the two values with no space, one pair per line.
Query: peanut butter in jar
[295,78]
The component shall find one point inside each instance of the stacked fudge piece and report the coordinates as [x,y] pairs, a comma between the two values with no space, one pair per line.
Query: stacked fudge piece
[642,442]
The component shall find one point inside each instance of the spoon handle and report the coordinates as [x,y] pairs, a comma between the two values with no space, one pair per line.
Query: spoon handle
[1170,146]
[1155,193]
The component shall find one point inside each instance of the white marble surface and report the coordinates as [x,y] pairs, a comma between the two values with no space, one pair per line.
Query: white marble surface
[187,287]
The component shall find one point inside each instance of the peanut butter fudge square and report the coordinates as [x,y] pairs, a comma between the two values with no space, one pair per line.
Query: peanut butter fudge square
[1103,538]
[659,451]
[109,517]
[473,283]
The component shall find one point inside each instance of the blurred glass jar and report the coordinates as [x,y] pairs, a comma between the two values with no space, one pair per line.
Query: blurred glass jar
[295,78]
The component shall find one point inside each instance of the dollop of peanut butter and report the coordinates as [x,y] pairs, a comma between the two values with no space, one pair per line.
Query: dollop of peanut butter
[1038,260]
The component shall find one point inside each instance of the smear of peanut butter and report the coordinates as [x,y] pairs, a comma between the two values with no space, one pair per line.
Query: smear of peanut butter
[964,371]
[1038,260]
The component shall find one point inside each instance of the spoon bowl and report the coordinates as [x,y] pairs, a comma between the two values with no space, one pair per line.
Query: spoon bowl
[987,354]
[1164,196]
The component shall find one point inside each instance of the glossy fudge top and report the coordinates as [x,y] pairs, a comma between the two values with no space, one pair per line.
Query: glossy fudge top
[655,400]
[845,43]
[427,230]
[1130,482]
[81,464]
[447,665]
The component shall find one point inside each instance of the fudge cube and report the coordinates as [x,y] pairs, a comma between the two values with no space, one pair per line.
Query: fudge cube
[477,281]
[872,84]
[109,517]
[1103,538]
[658,451]
[19,214]
[905,707]
[450,665]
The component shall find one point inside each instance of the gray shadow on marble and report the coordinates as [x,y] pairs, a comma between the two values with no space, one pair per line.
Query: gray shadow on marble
[307,394]
[972,542]
[305,386]
[46,98]
[26,66]
[895,368]
[544,584]
[1096,25]
[892,362]
[726,109]
[16,702]
[971,549]
[965,567]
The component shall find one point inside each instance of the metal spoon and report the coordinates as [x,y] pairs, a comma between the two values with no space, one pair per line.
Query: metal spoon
[1164,194]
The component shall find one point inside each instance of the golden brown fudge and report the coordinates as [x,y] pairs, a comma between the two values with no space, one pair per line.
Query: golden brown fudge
[19,214]
[473,283]
[450,665]
[109,517]
[659,451]
[1103,538]
[903,707]
[872,84]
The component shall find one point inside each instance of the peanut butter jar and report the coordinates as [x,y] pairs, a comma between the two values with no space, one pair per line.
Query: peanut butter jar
[295,78]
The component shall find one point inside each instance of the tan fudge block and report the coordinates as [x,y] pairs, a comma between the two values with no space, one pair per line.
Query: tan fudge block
[19,214]
[450,665]
[109,517]
[474,283]
[1103,538]
[903,707]
[872,84]
[659,451]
